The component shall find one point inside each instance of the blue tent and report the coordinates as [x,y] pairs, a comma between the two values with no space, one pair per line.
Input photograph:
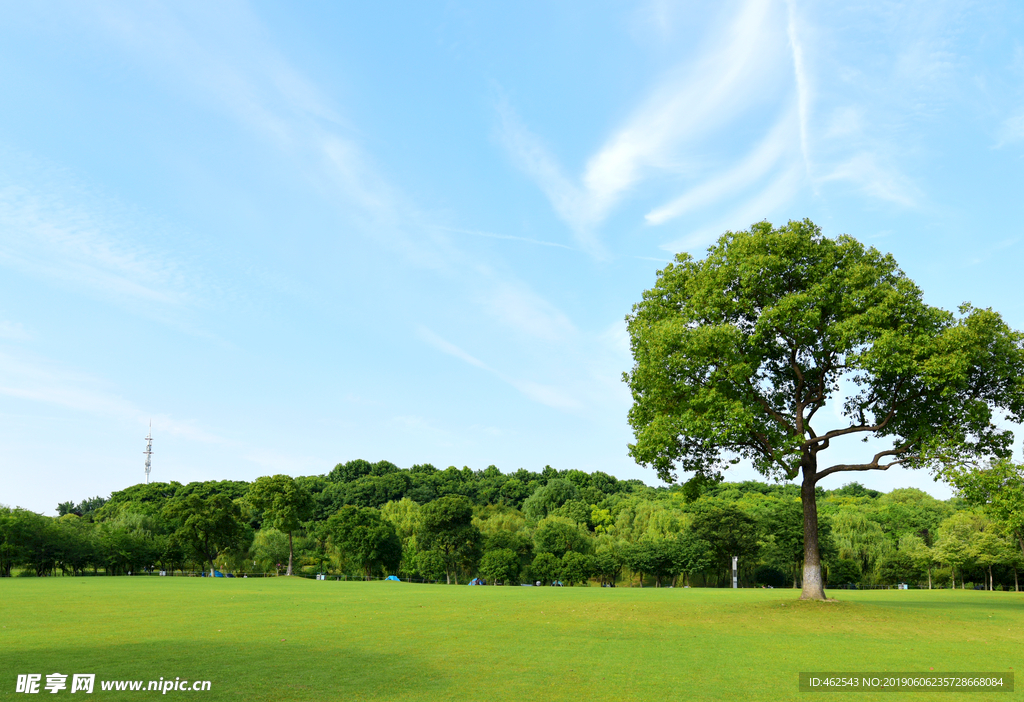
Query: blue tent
[392,577]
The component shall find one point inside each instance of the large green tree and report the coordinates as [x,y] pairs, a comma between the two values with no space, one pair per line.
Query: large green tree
[207,526]
[284,504]
[736,355]
[367,538]
[446,526]
[500,565]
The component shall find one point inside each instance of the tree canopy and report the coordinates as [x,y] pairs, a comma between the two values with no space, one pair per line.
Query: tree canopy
[367,538]
[208,525]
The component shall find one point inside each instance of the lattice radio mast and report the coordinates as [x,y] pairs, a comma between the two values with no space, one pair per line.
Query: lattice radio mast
[149,451]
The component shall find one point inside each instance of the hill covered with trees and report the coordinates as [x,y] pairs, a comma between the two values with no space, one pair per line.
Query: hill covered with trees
[373,519]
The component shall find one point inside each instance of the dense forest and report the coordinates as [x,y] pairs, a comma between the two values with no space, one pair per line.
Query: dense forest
[369,520]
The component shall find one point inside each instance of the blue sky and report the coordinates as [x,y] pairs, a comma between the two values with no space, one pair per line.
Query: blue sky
[293,234]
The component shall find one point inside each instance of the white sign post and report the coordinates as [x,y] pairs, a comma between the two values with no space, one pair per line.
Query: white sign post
[735,580]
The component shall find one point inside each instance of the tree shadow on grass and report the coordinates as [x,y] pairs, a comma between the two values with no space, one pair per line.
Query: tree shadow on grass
[239,669]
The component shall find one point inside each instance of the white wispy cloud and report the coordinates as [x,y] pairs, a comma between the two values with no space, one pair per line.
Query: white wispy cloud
[55,230]
[873,175]
[545,394]
[761,160]
[1011,130]
[449,348]
[532,157]
[521,310]
[223,53]
[802,80]
[37,381]
[700,97]
[507,237]
[769,201]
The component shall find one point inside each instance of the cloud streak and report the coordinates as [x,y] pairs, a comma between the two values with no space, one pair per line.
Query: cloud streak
[692,101]
[54,232]
[35,382]
[539,392]
[758,163]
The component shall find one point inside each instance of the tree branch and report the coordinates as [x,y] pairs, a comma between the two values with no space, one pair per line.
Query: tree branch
[775,414]
[874,465]
[857,428]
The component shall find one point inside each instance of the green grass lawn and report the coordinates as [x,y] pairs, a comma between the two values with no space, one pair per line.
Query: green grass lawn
[292,639]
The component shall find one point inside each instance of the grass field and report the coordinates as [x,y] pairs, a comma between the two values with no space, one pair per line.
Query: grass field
[292,639]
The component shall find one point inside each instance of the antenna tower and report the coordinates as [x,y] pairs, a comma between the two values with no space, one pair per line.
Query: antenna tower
[149,450]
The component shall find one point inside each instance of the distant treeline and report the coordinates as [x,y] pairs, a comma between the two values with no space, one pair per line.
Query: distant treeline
[371,519]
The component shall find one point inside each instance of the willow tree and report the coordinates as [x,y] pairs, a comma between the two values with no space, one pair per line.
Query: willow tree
[736,355]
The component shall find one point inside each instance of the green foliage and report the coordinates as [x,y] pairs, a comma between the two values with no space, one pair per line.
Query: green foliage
[684,536]
[549,498]
[729,531]
[577,568]
[855,489]
[283,503]
[546,567]
[501,565]
[85,508]
[366,538]
[608,565]
[692,554]
[446,527]
[559,535]
[576,510]
[897,567]
[207,526]
[998,488]
[845,571]
[431,564]
[737,352]
[270,548]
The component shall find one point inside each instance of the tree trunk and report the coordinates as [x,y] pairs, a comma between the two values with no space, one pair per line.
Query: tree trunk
[929,577]
[289,554]
[990,583]
[813,588]
[1016,587]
